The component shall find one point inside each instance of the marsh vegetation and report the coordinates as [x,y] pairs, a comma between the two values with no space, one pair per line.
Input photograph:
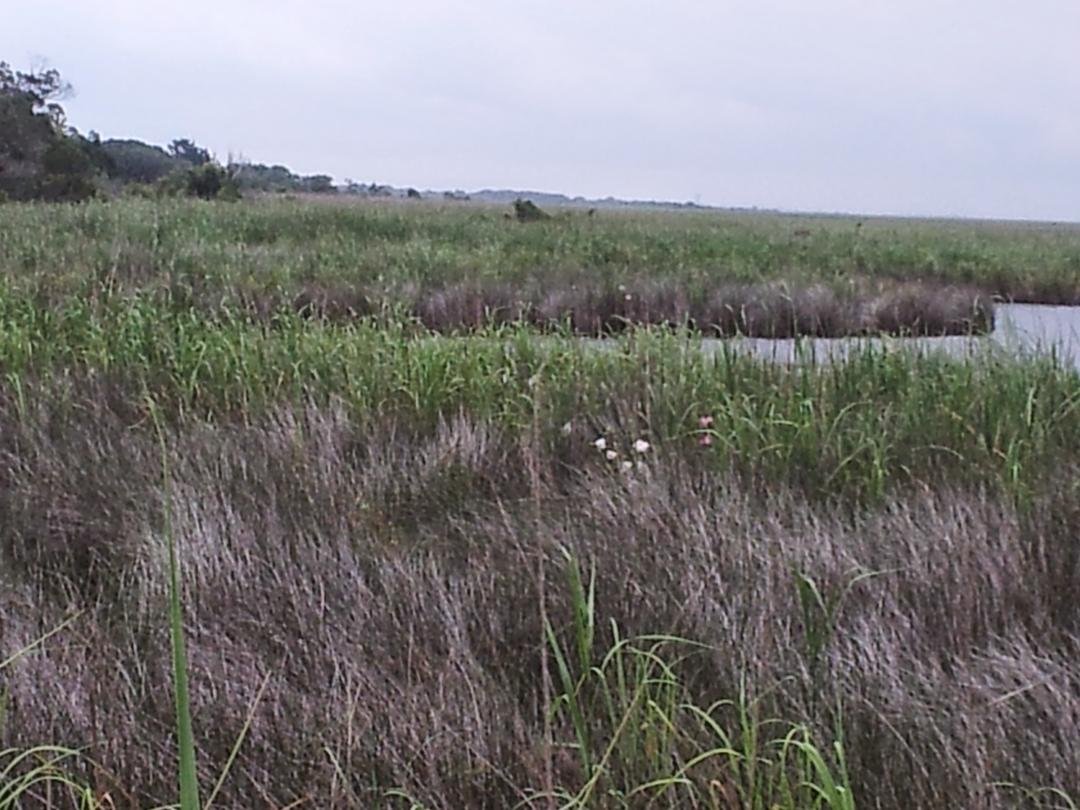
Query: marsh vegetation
[445,568]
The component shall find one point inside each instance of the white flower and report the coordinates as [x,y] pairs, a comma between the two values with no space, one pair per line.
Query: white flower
[600,444]
[611,455]
[567,429]
[641,446]
[627,466]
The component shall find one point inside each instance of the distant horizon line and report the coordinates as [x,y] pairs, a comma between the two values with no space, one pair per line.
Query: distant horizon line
[580,199]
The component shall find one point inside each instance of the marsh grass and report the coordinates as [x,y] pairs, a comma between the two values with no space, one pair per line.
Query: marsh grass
[373,512]
[885,415]
[640,740]
[461,268]
[195,245]
[405,642]
[27,773]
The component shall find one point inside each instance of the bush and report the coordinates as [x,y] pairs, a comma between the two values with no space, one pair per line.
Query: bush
[68,172]
[528,211]
[209,181]
[140,191]
[136,162]
[205,181]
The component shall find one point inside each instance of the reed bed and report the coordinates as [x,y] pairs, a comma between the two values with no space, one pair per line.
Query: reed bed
[352,257]
[887,415]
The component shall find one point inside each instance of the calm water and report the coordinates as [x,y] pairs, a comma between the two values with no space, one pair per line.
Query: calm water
[1019,329]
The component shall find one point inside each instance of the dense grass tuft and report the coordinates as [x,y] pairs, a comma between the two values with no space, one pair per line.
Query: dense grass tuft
[384,586]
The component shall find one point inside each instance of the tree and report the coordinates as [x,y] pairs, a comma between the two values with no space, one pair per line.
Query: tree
[259,177]
[39,156]
[137,162]
[318,184]
[186,149]
[41,89]
[67,172]
[24,137]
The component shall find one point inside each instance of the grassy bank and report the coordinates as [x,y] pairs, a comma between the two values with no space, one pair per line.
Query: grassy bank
[507,569]
[848,431]
[454,266]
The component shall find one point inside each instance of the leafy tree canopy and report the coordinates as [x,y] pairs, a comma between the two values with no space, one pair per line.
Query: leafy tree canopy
[187,150]
[138,162]
[39,156]
[41,89]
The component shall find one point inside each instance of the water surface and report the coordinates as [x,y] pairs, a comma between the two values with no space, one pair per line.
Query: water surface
[1019,330]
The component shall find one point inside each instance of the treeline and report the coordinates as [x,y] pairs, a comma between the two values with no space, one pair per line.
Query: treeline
[133,161]
[43,158]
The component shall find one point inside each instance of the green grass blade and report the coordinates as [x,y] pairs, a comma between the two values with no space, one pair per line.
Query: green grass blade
[188,776]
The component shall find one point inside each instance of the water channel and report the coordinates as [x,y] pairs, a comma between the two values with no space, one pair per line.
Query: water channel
[1019,330]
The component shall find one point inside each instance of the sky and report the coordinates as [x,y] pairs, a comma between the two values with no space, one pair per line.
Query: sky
[909,107]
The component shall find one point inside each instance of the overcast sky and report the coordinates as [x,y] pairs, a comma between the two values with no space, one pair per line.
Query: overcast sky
[936,107]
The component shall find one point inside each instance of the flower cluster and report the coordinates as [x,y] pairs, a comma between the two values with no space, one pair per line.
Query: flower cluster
[705,433]
[639,448]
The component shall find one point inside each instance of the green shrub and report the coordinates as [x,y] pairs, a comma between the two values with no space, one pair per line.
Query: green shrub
[210,181]
[528,211]
[140,191]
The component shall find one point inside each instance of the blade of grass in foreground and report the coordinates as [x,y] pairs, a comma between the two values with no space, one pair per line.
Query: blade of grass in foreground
[189,783]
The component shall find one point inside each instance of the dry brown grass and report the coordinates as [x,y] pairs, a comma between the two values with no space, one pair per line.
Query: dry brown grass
[383,582]
[923,309]
[752,310]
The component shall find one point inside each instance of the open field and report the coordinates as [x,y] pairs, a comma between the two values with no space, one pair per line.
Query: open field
[414,579]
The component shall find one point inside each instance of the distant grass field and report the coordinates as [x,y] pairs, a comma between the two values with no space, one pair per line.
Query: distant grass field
[392,246]
[459,265]
[502,569]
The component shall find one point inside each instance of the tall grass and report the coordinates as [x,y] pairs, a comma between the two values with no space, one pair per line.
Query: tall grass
[640,740]
[185,738]
[193,248]
[884,416]
[769,586]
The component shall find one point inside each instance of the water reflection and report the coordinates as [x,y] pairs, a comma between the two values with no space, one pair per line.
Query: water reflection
[1020,329]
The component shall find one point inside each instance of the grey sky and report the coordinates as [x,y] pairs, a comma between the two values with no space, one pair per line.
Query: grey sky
[913,107]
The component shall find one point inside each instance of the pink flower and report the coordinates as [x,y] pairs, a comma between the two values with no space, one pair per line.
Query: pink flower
[705,440]
[705,422]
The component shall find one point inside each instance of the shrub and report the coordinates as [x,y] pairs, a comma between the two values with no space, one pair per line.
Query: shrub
[210,181]
[528,211]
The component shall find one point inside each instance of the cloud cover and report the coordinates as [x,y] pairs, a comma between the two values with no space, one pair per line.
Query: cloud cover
[918,107]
